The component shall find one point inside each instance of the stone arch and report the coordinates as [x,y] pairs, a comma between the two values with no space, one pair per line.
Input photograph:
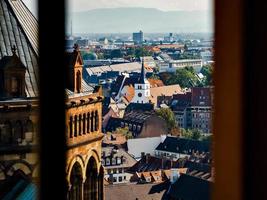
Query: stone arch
[7,132]
[29,131]
[84,123]
[75,126]
[22,166]
[91,181]
[92,122]
[93,153]
[88,123]
[101,183]
[80,124]
[71,127]
[29,126]
[36,170]
[76,182]
[79,160]
[96,121]
[18,132]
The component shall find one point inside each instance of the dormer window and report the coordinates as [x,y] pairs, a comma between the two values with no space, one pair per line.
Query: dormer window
[118,161]
[113,161]
[107,161]
[15,86]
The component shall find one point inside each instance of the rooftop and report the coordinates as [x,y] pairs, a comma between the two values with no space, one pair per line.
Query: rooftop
[20,28]
[183,145]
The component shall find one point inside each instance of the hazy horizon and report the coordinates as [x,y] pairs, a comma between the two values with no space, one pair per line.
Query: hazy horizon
[149,20]
[164,5]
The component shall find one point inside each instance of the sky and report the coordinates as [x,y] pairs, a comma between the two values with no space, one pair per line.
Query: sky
[32,5]
[165,5]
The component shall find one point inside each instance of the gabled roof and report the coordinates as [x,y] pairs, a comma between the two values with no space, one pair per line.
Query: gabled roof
[19,27]
[139,107]
[183,145]
[190,188]
[168,90]
[151,163]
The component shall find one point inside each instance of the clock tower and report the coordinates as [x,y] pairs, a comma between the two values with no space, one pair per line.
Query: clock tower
[141,88]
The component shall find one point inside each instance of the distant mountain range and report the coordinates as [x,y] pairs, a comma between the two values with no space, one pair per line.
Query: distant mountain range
[150,20]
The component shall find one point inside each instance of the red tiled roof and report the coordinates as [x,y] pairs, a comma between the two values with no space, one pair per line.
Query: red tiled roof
[155,83]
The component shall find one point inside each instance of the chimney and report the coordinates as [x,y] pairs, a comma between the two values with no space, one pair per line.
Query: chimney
[142,155]
[174,175]
[147,157]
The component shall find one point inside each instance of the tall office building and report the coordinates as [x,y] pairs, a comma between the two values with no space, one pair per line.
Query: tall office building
[138,37]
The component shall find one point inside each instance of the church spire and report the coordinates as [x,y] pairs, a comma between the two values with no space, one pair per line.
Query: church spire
[143,74]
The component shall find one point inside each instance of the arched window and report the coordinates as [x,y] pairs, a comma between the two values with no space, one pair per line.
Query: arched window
[80,124]
[71,127]
[88,123]
[29,126]
[76,180]
[96,121]
[18,132]
[75,125]
[84,123]
[92,122]
[7,133]
[29,131]
[78,81]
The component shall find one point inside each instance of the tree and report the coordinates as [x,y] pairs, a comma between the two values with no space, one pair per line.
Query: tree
[165,76]
[168,116]
[207,71]
[88,55]
[185,77]
[186,133]
[124,131]
[116,53]
[141,51]
[196,134]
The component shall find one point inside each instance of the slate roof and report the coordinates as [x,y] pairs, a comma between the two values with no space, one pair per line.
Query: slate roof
[133,117]
[151,163]
[139,107]
[20,28]
[190,188]
[183,145]
[111,152]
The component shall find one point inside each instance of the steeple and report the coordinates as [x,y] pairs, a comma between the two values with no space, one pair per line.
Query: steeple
[143,74]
